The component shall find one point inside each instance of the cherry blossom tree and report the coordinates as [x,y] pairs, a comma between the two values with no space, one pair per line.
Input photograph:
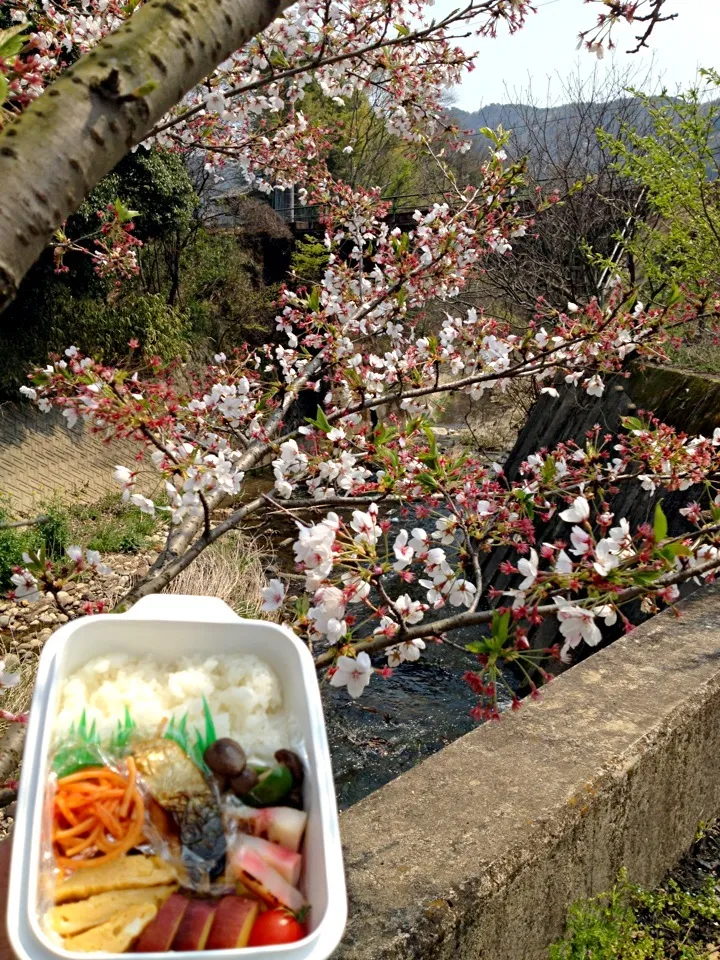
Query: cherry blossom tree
[115,69]
[391,532]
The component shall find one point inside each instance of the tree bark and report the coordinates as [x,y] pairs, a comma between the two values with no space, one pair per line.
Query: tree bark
[83,124]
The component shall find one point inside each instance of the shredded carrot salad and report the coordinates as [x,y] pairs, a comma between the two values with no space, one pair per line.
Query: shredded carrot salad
[98,815]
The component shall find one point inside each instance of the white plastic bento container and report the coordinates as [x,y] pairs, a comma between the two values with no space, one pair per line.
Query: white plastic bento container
[167,627]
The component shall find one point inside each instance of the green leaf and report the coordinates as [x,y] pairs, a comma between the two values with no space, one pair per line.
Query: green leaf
[321,422]
[278,59]
[403,30]
[645,578]
[11,43]
[432,442]
[4,88]
[660,526]
[427,481]
[313,299]
[632,423]
[548,470]
[477,646]
[124,214]
[500,626]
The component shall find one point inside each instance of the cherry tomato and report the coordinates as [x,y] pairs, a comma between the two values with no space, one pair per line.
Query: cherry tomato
[275,926]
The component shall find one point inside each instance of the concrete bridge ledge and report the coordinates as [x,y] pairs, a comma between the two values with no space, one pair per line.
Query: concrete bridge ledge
[478,851]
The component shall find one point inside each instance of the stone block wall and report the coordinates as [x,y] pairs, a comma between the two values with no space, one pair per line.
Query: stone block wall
[40,457]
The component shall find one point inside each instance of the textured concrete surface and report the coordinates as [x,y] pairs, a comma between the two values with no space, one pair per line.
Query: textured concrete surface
[478,851]
[40,457]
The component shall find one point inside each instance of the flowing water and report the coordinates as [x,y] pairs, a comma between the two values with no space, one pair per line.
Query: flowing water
[399,721]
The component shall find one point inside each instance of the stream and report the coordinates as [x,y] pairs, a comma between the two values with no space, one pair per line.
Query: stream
[423,706]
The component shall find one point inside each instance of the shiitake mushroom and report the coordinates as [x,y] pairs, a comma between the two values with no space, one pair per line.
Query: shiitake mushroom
[294,764]
[244,782]
[294,798]
[226,758]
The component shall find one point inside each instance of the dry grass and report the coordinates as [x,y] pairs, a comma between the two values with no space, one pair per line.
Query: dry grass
[232,569]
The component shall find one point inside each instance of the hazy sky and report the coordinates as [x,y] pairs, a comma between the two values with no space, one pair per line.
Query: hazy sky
[546,47]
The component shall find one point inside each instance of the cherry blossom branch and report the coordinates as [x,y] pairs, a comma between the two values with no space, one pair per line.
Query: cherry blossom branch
[275,77]
[158,580]
[6,525]
[80,128]
[468,618]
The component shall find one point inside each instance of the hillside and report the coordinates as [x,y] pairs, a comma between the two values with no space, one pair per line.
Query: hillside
[555,127]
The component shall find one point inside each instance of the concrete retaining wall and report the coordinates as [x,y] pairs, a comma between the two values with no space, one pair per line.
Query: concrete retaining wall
[40,457]
[478,851]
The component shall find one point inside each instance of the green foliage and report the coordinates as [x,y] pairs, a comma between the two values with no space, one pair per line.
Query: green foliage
[112,526]
[97,325]
[677,167]
[629,923]
[52,534]
[52,311]
[197,291]
[223,292]
[605,928]
[54,529]
[378,158]
[103,329]
[309,260]
[153,183]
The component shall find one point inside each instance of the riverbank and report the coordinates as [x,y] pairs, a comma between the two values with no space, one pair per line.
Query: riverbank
[482,849]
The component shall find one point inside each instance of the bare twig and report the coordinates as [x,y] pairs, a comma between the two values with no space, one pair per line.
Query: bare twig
[24,523]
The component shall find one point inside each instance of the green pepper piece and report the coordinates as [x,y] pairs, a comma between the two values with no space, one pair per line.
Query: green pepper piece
[272,787]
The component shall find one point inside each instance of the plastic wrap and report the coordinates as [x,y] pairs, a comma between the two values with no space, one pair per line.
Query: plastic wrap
[189,822]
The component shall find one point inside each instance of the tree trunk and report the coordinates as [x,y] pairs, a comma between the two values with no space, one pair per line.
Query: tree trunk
[53,155]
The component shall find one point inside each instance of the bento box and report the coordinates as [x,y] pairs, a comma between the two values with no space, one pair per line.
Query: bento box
[167,628]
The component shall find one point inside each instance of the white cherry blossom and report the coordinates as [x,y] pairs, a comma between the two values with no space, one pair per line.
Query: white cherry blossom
[144,504]
[462,593]
[353,673]
[408,651]
[528,567]
[403,551]
[25,586]
[577,512]
[273,596]
[410,610]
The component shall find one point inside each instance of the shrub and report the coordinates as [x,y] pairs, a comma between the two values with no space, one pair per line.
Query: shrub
[629,923]
[52,533]
[54,530]
[112,526]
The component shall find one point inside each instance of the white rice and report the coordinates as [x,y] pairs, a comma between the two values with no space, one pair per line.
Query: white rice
[244,695]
